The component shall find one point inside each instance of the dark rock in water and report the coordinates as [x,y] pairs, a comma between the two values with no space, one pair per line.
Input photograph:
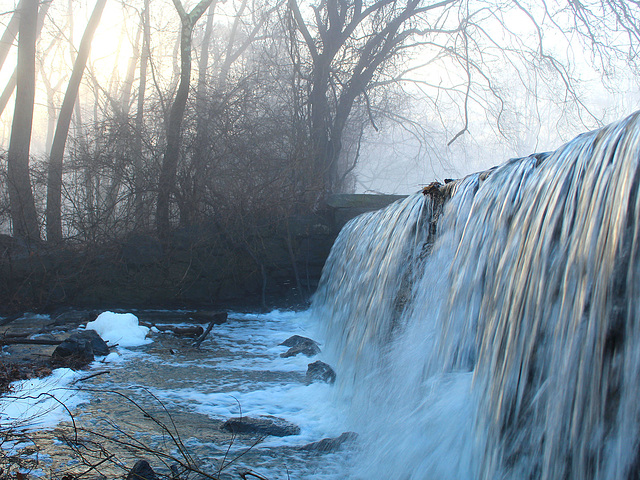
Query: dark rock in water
[296,340]
[264,425]
[320,372]
[99,346]
[309,350]
[299,345]
[330,444]
[142,471]
[79,349]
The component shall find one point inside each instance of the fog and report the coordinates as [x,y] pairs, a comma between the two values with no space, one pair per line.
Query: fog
[452,88]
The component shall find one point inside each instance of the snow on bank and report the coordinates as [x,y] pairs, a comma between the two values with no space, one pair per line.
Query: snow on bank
[120,328]
[40,403]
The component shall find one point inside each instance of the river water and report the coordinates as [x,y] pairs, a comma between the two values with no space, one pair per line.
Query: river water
[491,335]
[172,398]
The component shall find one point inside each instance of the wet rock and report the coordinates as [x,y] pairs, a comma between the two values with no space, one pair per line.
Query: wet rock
[308,350]
[264,425]
[296,340]
[300,345]
[98,345]
[330,444]
[320,372]
[142,471]
[79,349]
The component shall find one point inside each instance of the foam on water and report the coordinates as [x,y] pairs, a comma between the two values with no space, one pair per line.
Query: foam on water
[252,379]
[507,348]
[40,403]
[237,371]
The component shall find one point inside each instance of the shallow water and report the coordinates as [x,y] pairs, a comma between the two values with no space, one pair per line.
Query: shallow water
[169,396]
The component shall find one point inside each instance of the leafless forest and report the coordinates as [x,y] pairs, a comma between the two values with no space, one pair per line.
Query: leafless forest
[147,116]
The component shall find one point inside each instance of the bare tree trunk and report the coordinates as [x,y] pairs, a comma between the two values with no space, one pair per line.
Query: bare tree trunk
[123,148]
[8,91]
[9,35]
[167,180]
[5,43]
[54,182]
[23,208]
[199,154]
[51,106]
[140,220]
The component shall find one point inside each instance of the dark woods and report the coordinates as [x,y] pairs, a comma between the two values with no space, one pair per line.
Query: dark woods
[220,172]
[214,152]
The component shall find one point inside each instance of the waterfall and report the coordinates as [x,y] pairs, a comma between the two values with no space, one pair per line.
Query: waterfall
[494,332]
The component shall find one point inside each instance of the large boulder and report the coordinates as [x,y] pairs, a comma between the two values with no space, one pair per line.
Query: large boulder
[98,345]
[320,372]
[79,350]
[263,425]
[300,345]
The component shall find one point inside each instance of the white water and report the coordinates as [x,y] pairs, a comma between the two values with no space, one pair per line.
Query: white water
[511,351]
[238,371]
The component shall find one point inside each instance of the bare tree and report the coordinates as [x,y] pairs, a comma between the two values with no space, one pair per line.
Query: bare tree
[349,42]
[9,34]
[5,43]
[54,183]
[189,210]
[167,180]
[602,23]
[140,220]
[23,209]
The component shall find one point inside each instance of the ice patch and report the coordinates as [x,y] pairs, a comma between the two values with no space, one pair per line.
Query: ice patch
[120,328]
[113,357]
[40,403]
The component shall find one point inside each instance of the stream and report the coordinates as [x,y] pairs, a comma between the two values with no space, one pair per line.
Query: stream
[170,398]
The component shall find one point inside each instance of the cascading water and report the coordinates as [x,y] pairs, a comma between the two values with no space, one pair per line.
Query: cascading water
[507,345]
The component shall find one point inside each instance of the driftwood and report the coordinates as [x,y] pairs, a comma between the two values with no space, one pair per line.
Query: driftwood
[9,319]
[204,335]
[187,331]
[28,341]
[213,318]
[217,318]
[180,331]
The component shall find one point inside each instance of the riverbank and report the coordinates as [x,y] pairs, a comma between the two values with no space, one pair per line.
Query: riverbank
[167,402]
[275,263]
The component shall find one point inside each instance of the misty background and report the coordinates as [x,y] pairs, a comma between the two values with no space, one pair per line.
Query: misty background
[288,101]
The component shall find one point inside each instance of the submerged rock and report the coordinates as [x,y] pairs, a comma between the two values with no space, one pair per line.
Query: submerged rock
[299,345]
[320,372]
[264,425]
[330,444]
[142,471]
